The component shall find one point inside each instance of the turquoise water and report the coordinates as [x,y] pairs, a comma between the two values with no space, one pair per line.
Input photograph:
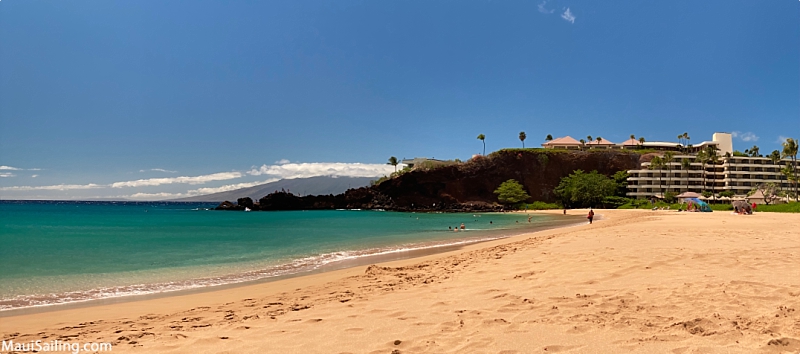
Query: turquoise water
[60,252]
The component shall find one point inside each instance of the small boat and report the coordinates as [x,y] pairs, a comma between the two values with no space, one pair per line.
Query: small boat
[246,209]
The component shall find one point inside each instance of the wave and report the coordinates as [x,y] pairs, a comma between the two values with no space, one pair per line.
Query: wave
[296,266]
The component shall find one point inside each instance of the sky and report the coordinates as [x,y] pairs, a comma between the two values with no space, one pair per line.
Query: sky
[164,99]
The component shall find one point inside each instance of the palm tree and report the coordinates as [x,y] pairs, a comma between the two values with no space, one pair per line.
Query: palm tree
[589,138]
[599,139]
[713,159]
[583,144]
[548,138]
[641,141]
[688,139]
[656,164]
[702,158]
[685,165]
[754,151]
[633,137]
[788,172]
[522,137]
[668,157]
[393,162]
[790,150]
[680,142]
[482,138]
[775,157]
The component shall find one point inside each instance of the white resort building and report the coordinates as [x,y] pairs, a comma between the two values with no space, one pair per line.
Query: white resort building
[725,172]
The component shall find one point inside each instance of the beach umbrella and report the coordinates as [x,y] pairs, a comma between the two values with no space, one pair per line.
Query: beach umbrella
[743,205]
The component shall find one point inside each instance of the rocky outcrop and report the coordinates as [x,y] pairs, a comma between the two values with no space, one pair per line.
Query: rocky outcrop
[463,187]
[245,202]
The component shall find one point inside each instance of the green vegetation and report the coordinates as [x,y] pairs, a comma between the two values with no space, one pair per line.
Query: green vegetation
[621,182]
[728,194]
[543,159]
[522,137]
[657,163]
[793,207]
[614,202]
[753,152]
[790,150]
[580,189]
[684,140]
[433,165]
[636,204]
[482,138]
[511,192]
[393,162]
[539,206]
[645,204]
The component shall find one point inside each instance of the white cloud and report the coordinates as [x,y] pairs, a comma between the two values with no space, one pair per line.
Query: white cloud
[543,9]
[338,169]
[781,139]
[34,176]
[748,136]
[282,162]
[58,187]
[6,174]
[151,196]
[221,176]
[229,187]
[159,170]
[567,15]
[9,168]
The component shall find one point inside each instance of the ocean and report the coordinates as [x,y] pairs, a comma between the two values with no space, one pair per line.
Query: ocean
[58,252]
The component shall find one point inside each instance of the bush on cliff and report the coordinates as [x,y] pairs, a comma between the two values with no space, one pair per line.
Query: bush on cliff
[511,192]
[537,205]
[581,190]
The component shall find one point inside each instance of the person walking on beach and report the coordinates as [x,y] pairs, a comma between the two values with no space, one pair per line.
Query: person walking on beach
[590,216]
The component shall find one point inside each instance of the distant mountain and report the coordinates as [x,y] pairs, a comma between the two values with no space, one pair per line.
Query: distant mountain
[322,185]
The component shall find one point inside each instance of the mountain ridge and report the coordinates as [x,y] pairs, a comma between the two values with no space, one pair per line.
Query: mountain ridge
[319,185]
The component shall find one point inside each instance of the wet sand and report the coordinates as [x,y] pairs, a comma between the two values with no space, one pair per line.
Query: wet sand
[635,281]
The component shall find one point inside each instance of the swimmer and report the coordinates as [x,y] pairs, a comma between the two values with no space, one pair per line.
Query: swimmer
[462,226]
[529,218]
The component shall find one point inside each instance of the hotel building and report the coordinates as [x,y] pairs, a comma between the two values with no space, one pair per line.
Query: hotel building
[728,173]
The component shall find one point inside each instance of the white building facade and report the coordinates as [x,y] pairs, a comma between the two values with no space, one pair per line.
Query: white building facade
[728,173]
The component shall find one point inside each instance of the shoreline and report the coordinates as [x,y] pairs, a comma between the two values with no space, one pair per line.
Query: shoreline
[198,297]
[636,281]
[390,254]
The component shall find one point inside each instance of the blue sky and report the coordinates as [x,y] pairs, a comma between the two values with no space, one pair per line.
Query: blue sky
[149,99]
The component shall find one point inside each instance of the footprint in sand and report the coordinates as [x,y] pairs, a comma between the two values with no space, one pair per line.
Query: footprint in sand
[559,348]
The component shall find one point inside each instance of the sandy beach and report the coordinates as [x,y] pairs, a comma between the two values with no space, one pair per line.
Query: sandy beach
[636,281]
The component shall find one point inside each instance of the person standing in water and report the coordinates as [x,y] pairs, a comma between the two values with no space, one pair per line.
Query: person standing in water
[590,216]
